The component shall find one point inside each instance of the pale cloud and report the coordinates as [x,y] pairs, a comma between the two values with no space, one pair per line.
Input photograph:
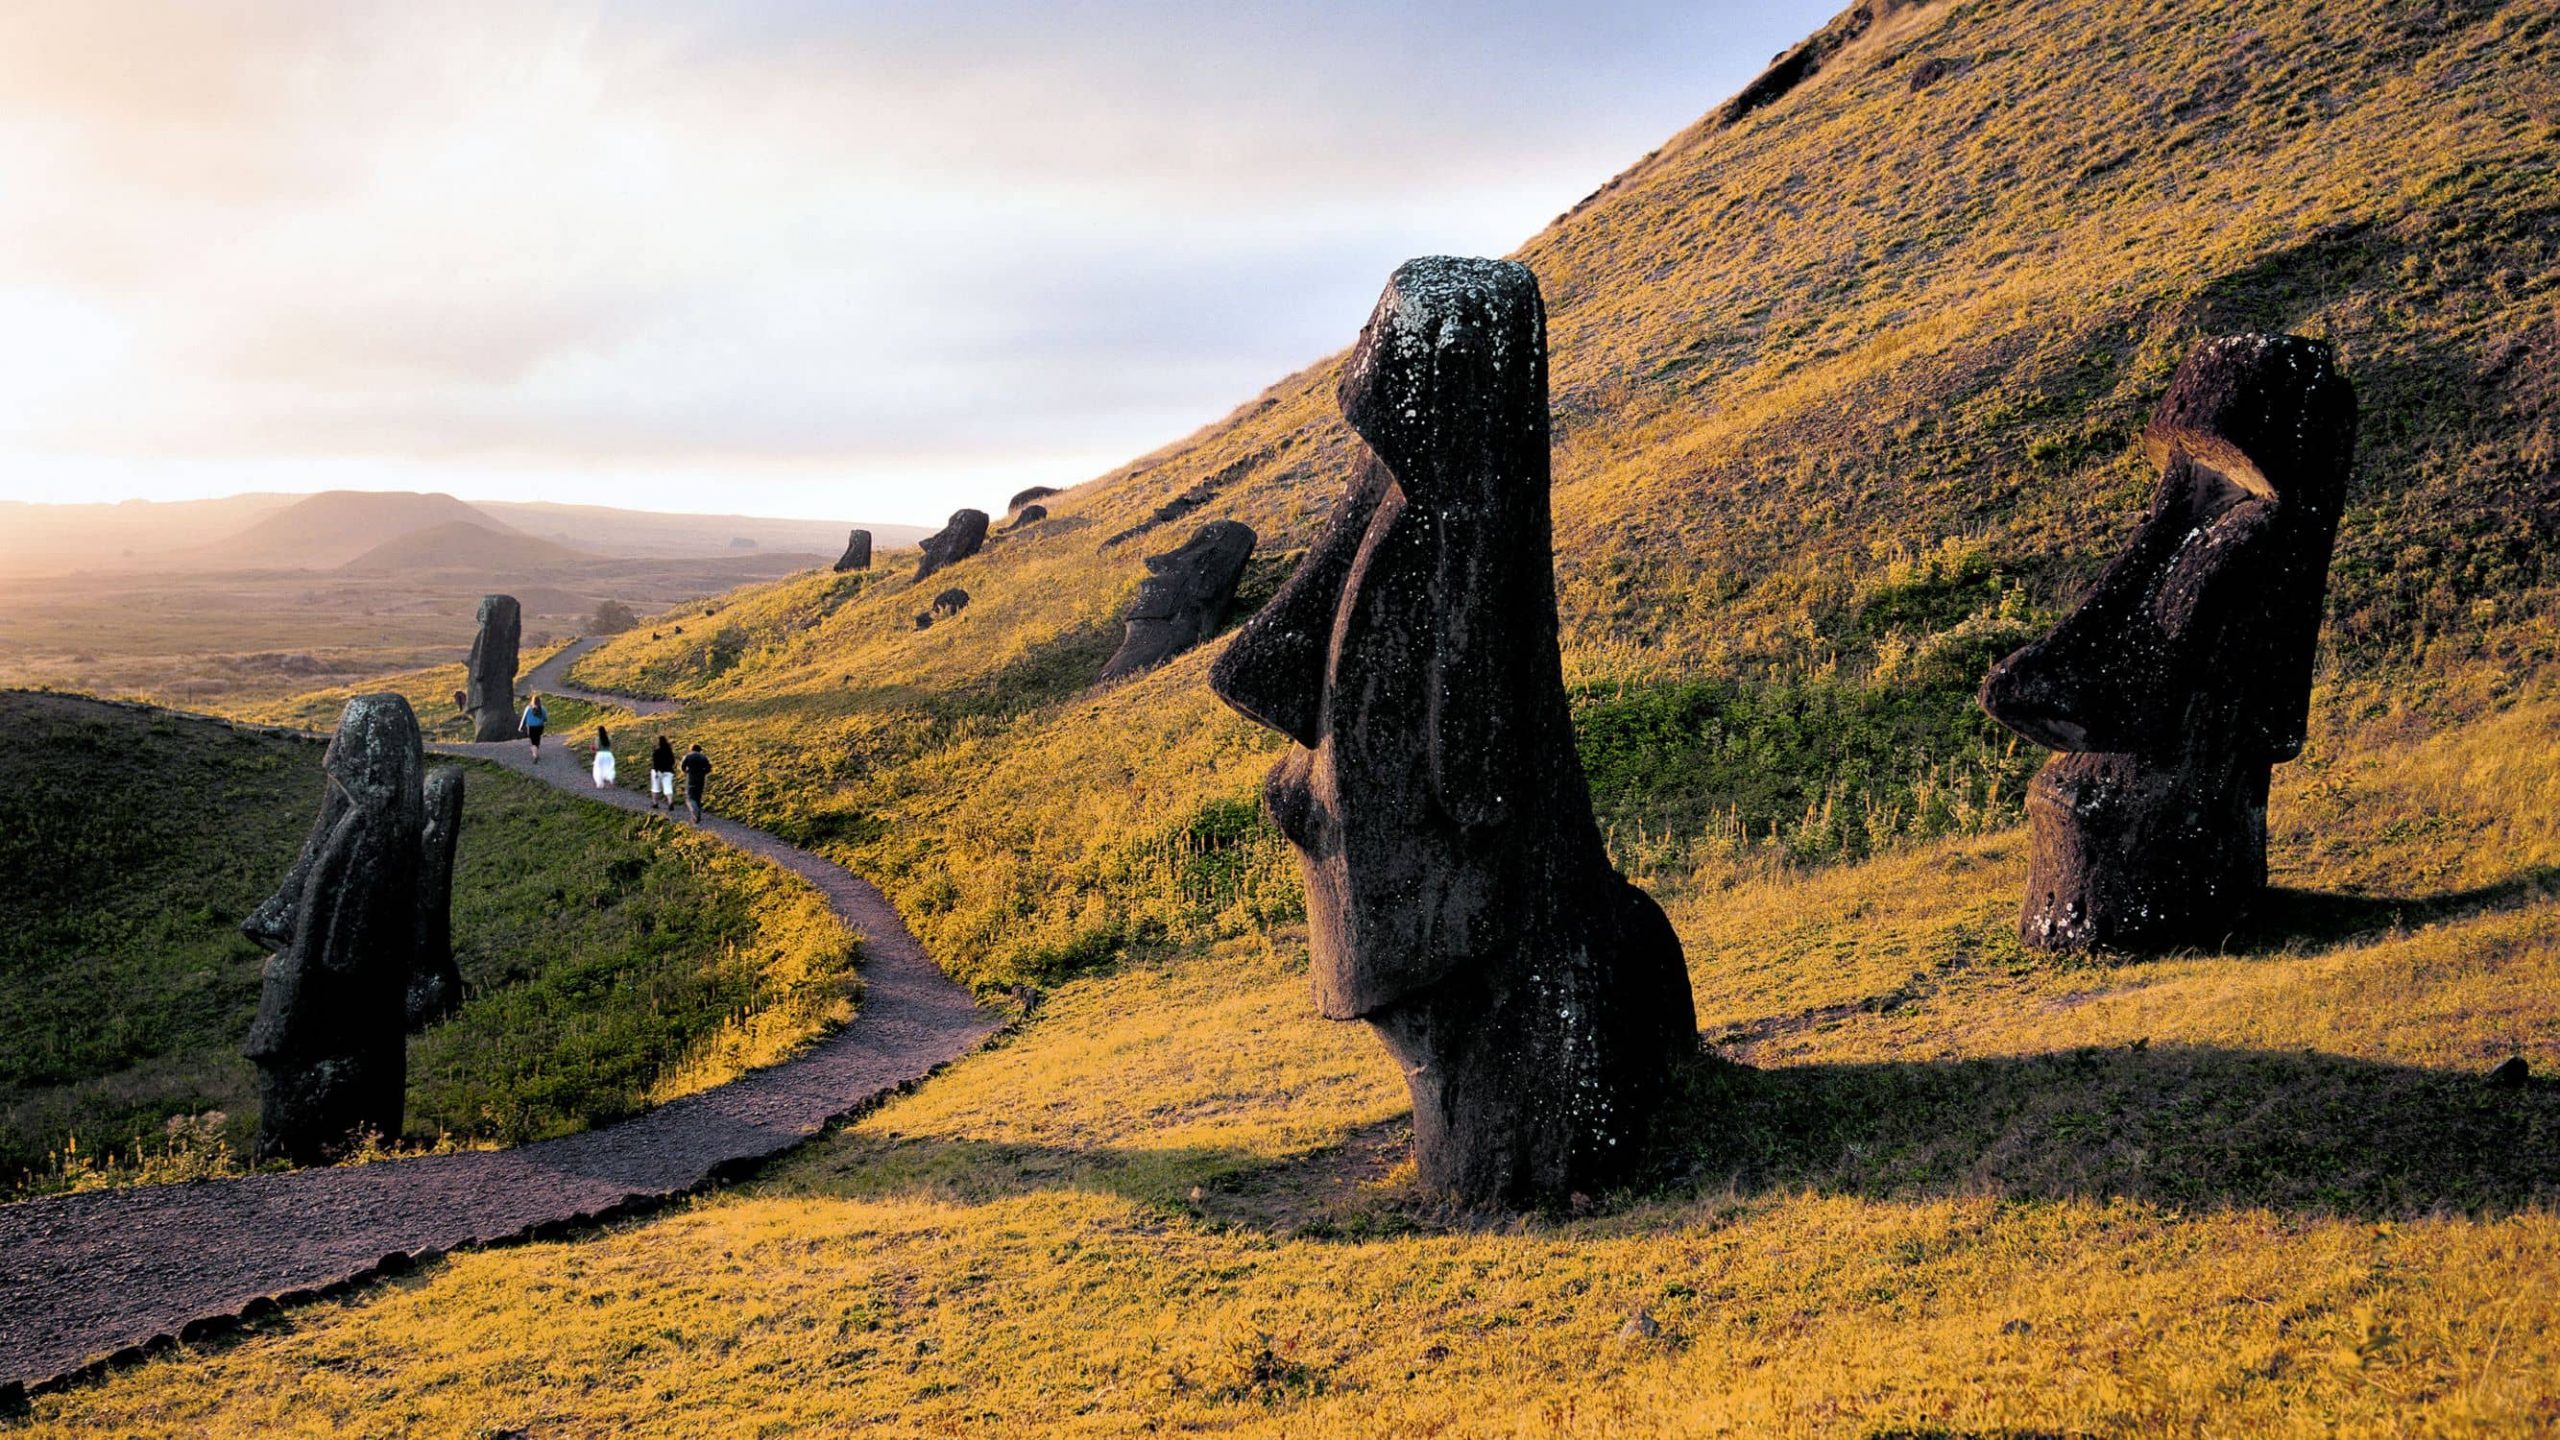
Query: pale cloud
[885,251]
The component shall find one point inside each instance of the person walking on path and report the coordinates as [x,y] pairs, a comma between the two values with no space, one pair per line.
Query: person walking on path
[604,758]
[697,773]
[662,774]
[535,717]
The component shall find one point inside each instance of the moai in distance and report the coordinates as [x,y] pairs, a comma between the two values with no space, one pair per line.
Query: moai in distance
[2184,675]
[1184,597]
[953,543]
[1459,898]
[491,697]
[857,552]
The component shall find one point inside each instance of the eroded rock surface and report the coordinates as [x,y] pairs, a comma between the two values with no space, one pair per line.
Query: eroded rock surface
[1184,597]
[954,542]
[2184,676]
[1459,898]
[491,694]
[330,1039]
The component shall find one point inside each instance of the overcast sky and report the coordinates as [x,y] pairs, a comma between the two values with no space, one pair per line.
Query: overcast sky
[862,260]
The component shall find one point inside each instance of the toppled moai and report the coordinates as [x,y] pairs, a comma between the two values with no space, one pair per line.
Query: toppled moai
[1025,497]
[435,982]
[954,542]
[857,552]
[491,696]
[1459,898]
[1184,597]
[2183,677]
[330,1039]
[1028,516]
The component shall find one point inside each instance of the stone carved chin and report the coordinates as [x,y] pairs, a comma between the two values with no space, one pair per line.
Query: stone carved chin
[1459,897]
[330,1037]
[2184,675]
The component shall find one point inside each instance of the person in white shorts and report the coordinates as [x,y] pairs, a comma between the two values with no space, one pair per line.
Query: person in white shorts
[662,774]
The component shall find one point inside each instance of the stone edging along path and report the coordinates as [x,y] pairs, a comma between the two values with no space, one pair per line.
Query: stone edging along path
[93,1279]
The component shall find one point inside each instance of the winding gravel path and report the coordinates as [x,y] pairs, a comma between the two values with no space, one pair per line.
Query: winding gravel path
[89,1279]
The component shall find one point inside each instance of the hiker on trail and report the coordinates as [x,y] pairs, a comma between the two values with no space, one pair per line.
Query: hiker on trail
[604,758]
[535,717]
[662,774]
[697,772]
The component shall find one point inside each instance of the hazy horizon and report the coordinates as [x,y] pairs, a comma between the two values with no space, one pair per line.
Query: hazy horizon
[790,261]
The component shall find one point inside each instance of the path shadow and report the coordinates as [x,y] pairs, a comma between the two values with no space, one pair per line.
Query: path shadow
[2191,1128]
[2286,918]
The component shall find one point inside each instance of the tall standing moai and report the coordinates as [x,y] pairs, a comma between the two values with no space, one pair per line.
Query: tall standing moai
[955,542]
[330,1039]
[435,981]
[2184,675]
[857,552]
[1184,597]
[491,696]
[1459,898]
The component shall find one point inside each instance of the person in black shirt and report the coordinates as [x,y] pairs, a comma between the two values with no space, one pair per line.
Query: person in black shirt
[697,771]
[662,773]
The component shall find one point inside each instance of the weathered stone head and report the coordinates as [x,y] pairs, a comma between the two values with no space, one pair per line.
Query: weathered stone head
[1184,597]
[950,602]
[491,696]
[1459,898]
[2184,674]
[435,982]
[1027,516]
[857,552]
[954,542]
[329,1039]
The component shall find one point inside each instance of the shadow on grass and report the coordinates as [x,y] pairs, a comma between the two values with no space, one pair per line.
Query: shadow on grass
[2321,919]
[2186,1128]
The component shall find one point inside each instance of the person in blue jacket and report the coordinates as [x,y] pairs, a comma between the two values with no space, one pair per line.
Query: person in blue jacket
[533,721]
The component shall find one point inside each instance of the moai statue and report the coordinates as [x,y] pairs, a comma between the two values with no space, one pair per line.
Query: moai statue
[1185,595]
[2184,676]
[1028,516]
[1459,899]
[857,552]
[954,543]
[492,694]
[435,982]
[330,1040]
[950,602]
[1022,498]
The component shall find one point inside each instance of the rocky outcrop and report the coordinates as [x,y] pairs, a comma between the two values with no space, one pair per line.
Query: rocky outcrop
[330,1039]
[435,982]
[1184,597]
[2184,676]
[857,552]
[1459,898]
[491,692]
[954,543]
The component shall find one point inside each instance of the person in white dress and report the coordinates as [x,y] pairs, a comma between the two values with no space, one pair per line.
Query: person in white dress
[604,759]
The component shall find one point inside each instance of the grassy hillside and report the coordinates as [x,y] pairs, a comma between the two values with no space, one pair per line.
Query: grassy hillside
[613,962]
[1846,392]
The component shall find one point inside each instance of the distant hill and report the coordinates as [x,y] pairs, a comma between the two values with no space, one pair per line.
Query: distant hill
[44,539]
[332,528]
[467,545]
[650,534]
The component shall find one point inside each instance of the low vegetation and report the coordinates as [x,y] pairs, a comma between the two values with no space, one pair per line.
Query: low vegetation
[612,961]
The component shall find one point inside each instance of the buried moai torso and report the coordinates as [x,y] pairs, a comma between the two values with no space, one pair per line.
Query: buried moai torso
[1459,898]
[953,543]
[435,981]
[330,1037]
[491,696]
[2184,675]
[1184,597]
